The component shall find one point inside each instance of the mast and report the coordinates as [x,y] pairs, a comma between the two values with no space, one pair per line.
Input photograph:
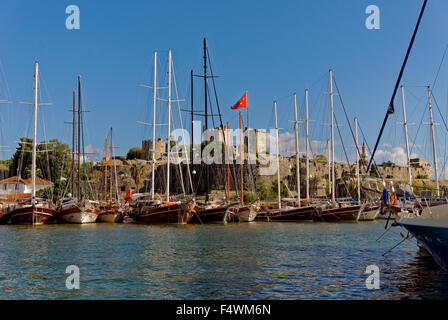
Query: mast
[33,169]
[112,162]
[192,116]
[332,138]
[79,137]
[296,125]
[306,148]
[329,166]
[405,126]
[154,101]
[228,164]
[357,162]
[169,130]
[105,173]
[241,163]
[433,141]
[278,157]
[73,142]
[207,173]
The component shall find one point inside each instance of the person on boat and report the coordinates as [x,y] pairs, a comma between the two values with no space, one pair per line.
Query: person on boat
[384,198]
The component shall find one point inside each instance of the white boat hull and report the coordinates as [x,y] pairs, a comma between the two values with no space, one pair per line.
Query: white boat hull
[79,217]
[368,215]
[246,216]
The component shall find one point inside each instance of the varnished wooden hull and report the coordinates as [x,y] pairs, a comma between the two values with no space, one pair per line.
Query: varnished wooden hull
[109,214]
[176,213]
[211,215]
[301,214]
[24,215]
[338,214]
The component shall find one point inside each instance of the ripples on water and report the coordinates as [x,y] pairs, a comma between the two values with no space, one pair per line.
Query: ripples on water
[234,261]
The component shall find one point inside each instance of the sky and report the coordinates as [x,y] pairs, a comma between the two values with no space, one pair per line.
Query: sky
[270,49]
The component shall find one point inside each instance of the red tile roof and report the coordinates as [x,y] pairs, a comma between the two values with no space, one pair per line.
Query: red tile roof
[23,181]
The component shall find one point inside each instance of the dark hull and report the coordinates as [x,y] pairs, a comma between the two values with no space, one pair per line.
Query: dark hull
[174,213]
[4,218]
[289,215]
[212,215]
[338,214]
[25,215]
[431,238]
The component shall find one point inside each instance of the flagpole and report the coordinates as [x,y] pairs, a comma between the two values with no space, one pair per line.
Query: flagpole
[247,107]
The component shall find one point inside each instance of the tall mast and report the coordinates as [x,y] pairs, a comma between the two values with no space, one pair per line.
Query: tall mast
[192,116]
[433,141]
[169,130]
[405,126]
[329,166]
[154,101]
[33,168]
[296,125]
[207,173]
[111,162]
[241,162]
[73,143]
[306,148]
[278,157]
[79,137]
[228,161]
[105,173]
[357,162]
[332,138]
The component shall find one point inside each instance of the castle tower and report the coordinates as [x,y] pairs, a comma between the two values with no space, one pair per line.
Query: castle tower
[364,153]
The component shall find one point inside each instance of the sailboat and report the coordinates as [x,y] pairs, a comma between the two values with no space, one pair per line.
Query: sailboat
[289,213]
[145,209]
[242,212]
[33,210]
[210,212]
[335,212]
[77,208]
[110,210]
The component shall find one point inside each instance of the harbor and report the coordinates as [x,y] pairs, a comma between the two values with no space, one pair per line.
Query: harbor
[180,173]
[246,261]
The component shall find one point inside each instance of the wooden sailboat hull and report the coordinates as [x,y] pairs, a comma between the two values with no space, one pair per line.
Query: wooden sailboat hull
[77,214]
[24,215]
[241,213]
[176,213]
[301,214]
[212,215]
[338,214]
[110,215]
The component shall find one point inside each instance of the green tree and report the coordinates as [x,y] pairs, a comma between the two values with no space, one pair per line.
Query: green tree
[134,153]
[53,163]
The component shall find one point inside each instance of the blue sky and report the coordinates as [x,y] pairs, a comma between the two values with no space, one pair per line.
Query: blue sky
[269,48]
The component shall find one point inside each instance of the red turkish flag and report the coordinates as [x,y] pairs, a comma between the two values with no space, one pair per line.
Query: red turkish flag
[242,103]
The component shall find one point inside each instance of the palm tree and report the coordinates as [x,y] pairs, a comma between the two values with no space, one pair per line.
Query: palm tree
[137,172]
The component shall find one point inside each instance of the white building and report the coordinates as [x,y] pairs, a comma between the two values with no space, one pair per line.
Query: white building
[16,185]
